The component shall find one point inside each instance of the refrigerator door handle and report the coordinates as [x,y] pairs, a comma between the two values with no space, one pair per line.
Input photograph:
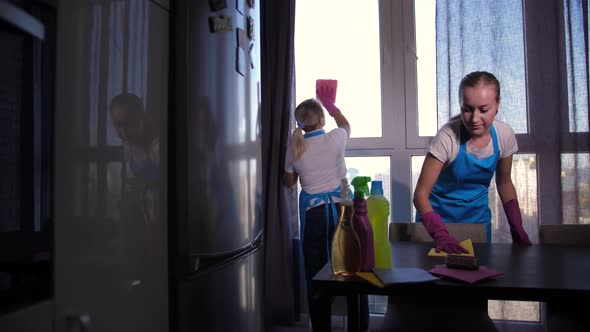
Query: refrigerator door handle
[202,264]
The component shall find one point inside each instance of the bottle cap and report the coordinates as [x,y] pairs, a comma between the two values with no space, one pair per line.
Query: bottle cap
[360,183]
[376,188]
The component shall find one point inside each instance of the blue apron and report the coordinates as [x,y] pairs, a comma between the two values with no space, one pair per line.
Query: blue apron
[306,201]
[460,194]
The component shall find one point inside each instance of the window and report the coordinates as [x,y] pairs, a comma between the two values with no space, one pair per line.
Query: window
[378,168]
[482,35]
[426,63]
[343,45]
[416,60]
[575,138]
[577,65]
[575,188]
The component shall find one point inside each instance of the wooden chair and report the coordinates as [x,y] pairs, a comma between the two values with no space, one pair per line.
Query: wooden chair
[565,316]
[415,232]
[565,234]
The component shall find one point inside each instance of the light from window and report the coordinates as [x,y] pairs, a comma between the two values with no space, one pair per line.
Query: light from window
[425,12]
[378,168]
[577,65]
[476,36]
[522,311]
[575,188]
[337,39]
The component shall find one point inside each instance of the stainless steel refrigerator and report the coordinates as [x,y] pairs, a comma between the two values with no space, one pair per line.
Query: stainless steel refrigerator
[157,166]
[215,205]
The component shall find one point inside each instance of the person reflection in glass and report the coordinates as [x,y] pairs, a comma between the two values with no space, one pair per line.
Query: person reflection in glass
[138,132]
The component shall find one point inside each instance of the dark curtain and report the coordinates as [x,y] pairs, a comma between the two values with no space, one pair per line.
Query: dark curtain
[278,24]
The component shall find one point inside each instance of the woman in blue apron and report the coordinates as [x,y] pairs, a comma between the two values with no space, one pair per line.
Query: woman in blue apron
[456,174]
[317,159]
[453,188]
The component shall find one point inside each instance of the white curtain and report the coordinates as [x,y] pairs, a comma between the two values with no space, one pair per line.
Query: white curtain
[575,166]
[489,35]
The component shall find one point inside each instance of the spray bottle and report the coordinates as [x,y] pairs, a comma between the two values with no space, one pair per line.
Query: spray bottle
[361,222]
[378,211]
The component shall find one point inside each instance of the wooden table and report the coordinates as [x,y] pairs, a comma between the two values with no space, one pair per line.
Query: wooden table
[544,273]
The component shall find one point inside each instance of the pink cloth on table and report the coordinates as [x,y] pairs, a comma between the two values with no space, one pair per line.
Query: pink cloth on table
[471,277]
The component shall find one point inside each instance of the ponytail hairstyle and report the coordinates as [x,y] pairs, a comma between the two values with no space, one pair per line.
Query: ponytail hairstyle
[298,143]
[309,114]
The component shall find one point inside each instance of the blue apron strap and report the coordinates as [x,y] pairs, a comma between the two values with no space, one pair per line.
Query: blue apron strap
[305,203]
[327,227]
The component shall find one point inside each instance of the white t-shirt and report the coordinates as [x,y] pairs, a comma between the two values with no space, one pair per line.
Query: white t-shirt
[445,145]
[322,165]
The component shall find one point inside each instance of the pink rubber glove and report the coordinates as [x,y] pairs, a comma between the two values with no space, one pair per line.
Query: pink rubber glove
[329,83]
[443,240]
[515,221]
[325,94]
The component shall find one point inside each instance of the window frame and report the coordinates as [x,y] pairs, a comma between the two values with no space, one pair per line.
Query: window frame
[546,94]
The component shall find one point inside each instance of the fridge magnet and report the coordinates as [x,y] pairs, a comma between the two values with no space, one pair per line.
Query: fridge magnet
[240,6]
[251,3]
[240,61]
[242,39]
[221,23]
[250,27]
[217,4]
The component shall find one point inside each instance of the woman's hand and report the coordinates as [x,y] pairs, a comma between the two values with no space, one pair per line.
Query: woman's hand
[290,179]
[325,95]
[514,217]
[443,240]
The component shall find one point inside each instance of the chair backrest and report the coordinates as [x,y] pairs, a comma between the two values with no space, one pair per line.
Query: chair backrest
[415,232]
[565,234]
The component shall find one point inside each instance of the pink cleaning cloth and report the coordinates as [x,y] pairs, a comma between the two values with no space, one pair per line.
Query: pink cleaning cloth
[331,85]
[483,273]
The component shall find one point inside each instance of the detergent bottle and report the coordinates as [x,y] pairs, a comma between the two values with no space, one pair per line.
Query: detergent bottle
[361,222]
[346,247]
[378,211]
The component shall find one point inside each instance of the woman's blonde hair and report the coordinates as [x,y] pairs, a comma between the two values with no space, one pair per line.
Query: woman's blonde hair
[308,113]
[475,78]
